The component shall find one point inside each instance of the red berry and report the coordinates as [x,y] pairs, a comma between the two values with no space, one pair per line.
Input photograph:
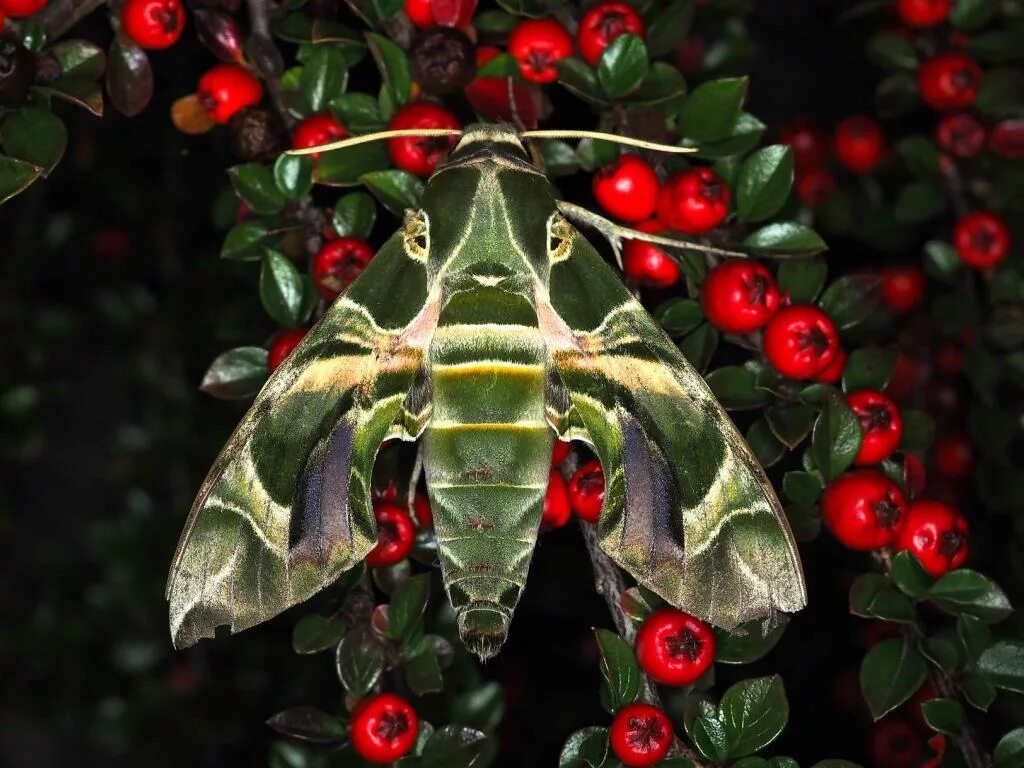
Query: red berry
[627,188]
[559,452]
[556,503]
[833,372]
[586,491]
[18,9]
[923,13]
[949,81]
[420,155]
[801,341]
[491,98]
[859,143]
[953,456]
[316,130]
[936,534]
[881,426]
[815,187]
[282,346]
[421,506]
[420,13]
[646,263]
[538,45]
[640,735]
[913,475]
[982,239]
[903,287]
[338,263]
[602,24]
[1007,139]
[396,534]
[694,201]
[962,135]
[153,24]
[423,13]
[226,89]
[674,648]
[739,296]
[895,743]
[384,728]
[864,509]
[807,140]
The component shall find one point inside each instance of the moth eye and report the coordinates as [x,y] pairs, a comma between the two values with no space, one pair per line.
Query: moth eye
[560,234]
[417,236]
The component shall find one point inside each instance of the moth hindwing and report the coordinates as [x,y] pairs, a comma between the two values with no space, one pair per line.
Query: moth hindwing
[488,326]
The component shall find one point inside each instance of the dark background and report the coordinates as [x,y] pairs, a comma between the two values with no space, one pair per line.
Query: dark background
[112,303]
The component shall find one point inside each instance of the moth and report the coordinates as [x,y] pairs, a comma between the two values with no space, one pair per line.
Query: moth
[488,327]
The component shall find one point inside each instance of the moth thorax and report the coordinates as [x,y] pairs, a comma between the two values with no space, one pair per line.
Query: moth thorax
[483,628]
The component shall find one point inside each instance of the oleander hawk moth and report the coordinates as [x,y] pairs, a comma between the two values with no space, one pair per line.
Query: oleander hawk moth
[487,327]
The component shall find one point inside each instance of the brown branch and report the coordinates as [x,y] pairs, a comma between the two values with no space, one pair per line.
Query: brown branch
[58,17]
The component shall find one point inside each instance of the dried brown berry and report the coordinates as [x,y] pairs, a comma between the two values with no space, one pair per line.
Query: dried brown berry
[443,60]
[256,134]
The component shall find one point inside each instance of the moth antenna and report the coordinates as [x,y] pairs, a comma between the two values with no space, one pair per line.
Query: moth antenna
[627,140]
[378,136]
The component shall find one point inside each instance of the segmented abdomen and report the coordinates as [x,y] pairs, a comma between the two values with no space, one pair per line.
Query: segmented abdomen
[487,457]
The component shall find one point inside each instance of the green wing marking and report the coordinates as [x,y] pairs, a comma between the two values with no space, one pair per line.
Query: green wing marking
[286,507]
[688,510]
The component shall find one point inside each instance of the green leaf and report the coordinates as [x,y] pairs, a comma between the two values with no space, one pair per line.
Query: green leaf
[408,602]
[837,436]
[670,26]
[293,175]
[595,153]
[36,136]
[1003,664]
[129,77]
[1001,93]
[578,78]
[281,289]
[622,66]
[852,299]
[869,368]
[453,746]
[481,706]
[891,673]
[423,673]
[790,423]
[918,430]
[753,713]
[745,136]
[620,672]
[324,76]
[921,155]
[309,724]
[662,83]
[502,65]
[802,279]
[941,260]
[978,691]
[910,576]
[785,238]
[245,241]
[918,202]
[255,184]
[394,68]
[942,651]
[892,51]
[765,445]
[1009,752]
[346,167]
[943,715]
[700,345]
[833,763]
[358,112]
[871,596]
[970,15]
[679,316]
[975,635]
[79,59]
[970,592]
[734,387]
[16,176]
[314,633]
[748,642]
[354,215]
[237,373]
[396,190]
[586,748]
[764,183]
[708,735]
[712,110]
[803,488]
[360,661]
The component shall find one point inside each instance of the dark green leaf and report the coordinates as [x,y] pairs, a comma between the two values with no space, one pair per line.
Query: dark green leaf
[909,575]
[785,238]
[975,635]
[700,345]
[619,671]
[871,596]
[408,602]
[707,732]
[918,431]
[943,715]
[423,673]
[670,26]
[453,746]
[837,436]
[978,690]
[764,443]
[16,176]
[764,182]
[345,167]
[802,279]
[734,388]
[309,724]
[970,15]
[502,65]
[662,83]
[1003,664]
[594,153]
[869,368]
[360,661]
[580,79]
[919,201]
[480,707]
[396,190]
[1001,93]
[852,299]
[394,67]
[586,748]
[833,763]
[712,110]
[892,51]
[970,592]
[79,59]
[941,651]
[281,289]
[245,241]
[559,158]
[753,713]
[790,423]
[237,373]
[314,633]
[293,175]
[36,136]
[803,488]
[941,260]
[746,135]
[324,75]
[622,66]
[748,642]
[1009,752]
[891,673]
[679,316]
[358,112]
[921,155]
[129,77]
[354,215]
[255,184]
